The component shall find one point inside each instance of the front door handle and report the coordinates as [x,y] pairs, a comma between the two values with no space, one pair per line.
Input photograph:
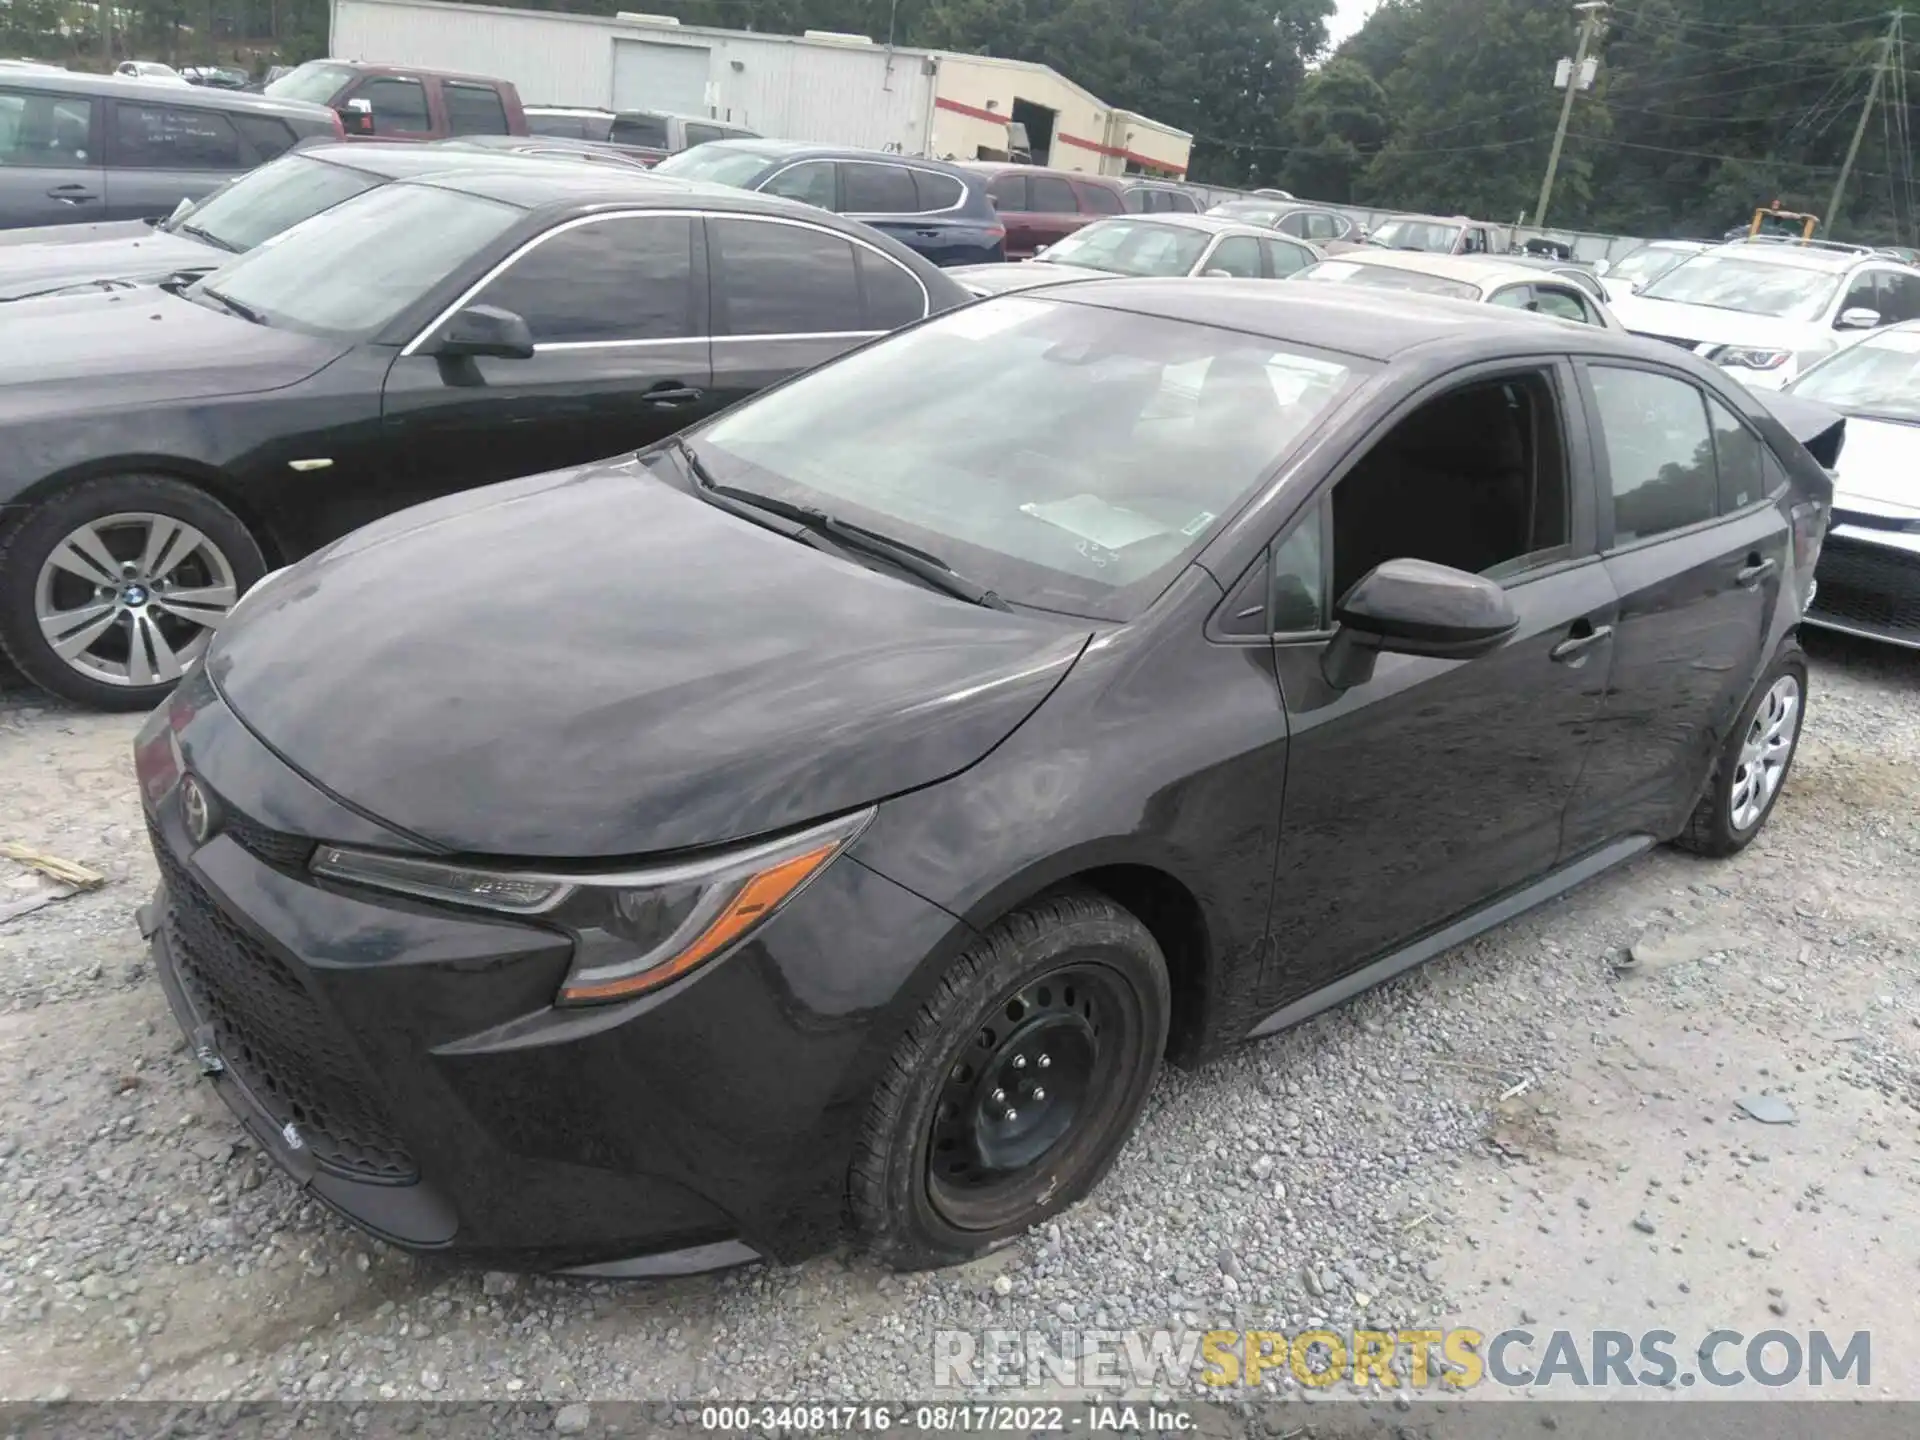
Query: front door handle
[1756,571]
[671,392]
[1578,644]
[71,194]
[928,234]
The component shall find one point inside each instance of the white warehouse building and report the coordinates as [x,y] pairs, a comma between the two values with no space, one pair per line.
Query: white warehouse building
[834,89]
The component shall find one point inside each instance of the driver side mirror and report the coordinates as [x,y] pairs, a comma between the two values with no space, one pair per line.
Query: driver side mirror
[484,331]
[1040,250]
[1857,317]
[1216,273]
[1414,607]
[356,116]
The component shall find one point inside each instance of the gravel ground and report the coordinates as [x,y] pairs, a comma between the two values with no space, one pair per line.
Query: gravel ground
[1362,1169]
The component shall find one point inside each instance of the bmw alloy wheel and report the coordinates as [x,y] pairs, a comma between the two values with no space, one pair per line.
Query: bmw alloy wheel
[133,599]
[1764,753]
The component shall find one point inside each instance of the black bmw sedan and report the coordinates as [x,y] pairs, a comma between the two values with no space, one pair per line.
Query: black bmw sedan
[162,448]
[842,809]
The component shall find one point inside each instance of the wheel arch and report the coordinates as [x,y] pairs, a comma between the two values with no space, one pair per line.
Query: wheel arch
[215,482]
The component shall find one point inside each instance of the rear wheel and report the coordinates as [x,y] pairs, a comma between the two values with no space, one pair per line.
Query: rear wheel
[1017,1084]
[1754,763]
[111,589]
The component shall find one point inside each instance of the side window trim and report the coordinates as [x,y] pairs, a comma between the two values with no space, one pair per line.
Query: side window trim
[1602,490]
[713,338]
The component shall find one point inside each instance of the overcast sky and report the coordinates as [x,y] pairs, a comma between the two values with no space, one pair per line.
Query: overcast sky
[1348,16]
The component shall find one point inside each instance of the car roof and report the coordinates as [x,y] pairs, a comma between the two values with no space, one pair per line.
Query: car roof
[1420,219]
[809,150]
[1469,269]
[1004,167]
[1349,319]
[1792,255]
[533,183]
[204,97]
[1211,224]
[385,67]
[595,110]
[404,160]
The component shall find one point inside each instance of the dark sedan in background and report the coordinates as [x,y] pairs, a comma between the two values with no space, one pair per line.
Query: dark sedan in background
[160,449]
[836,813]
[940,211]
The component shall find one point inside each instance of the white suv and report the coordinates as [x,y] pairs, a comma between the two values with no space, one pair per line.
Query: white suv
[1766,309]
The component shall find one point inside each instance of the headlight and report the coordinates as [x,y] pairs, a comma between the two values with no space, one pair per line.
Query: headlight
[1748,357]
[633,931]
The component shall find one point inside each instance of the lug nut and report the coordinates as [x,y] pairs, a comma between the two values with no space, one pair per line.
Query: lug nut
[1039,1092]
[1012,1114]
[1044,1061]
[1019,1062]
[999,1097]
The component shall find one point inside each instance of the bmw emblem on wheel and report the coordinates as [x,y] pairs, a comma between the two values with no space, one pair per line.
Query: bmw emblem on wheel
[196,809]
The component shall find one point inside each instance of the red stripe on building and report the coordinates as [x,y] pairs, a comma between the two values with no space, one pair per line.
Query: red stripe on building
[1145,161]
[993,117]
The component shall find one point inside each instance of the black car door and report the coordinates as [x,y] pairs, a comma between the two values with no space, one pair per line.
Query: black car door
[1436,785]
[616,305]
[788,295]
[1698,553]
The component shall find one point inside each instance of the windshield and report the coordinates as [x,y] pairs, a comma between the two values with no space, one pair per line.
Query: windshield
[1250,210]
[722,164]
[1131,247]
[314,81]
[1742,282]
[1649,262]
[1070,457]
[1388,277]
[1880,376]
[266,201]
[348,272]
[1428,235]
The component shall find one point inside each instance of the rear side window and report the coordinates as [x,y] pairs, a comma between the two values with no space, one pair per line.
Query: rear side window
[164,137]
[1009,192]
[1285,259]
[399,106]
[474,109]
[650,130]
[1138,202]
[559,127]
[270,138]
[1563,304]
[701,134]
[1322,226]
[1050,195]
[1179,202]
[1741,457]
[1237,255]
[877,189]
[45,130]
[776,279]
[891,296]
[1099,199]
[810,182]
[623,279]
[1660,454]
[937,192]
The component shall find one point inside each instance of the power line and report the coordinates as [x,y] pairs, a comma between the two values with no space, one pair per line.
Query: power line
[1682,22]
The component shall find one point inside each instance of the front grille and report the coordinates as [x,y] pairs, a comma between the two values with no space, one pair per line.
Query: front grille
[1870,587]
[286,852]
[272,1035]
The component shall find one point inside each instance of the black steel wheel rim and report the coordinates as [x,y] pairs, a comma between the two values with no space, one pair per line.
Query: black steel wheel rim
[1031,1094]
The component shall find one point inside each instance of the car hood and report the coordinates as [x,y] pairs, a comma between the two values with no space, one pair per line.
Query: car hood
[76,234]
[1879,469]
[595,663]
[148,256]
[1022,275]
[1704,325]
[119,349]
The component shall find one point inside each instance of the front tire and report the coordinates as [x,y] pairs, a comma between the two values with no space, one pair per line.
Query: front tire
[111,589]
[1753,765]
[1016,1084]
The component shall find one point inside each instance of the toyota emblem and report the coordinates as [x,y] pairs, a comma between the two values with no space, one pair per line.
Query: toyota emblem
[196,810]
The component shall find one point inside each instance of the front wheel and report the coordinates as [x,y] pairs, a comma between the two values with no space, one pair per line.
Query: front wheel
[110,590]
[1016,1085]
[1753,765]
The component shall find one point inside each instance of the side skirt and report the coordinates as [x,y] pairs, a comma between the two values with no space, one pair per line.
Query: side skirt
[1498,912]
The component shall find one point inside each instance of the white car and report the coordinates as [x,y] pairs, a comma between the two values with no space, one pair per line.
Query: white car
[1163,244]
[1645,265]
[1869,572]
[1492,279]
[150,70]
[1767,309]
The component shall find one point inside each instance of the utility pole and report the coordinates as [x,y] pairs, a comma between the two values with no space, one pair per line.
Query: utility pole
[1860,130]
[1590,10]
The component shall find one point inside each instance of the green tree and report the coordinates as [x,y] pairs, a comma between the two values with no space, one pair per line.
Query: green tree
[1339,121]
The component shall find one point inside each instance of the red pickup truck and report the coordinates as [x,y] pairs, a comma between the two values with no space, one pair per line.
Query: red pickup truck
[398,102]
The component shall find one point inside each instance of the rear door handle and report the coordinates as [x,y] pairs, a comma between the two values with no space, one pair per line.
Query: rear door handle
[1576,645]
[1757,572]
[928,234]
[71,194]
[672,393]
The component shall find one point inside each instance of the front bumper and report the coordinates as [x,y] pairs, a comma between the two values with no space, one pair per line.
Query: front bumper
[405,1063]
[1869,584]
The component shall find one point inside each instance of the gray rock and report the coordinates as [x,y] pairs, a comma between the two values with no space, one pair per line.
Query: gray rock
[1767,1109]
[572,1419]
[1643,1222]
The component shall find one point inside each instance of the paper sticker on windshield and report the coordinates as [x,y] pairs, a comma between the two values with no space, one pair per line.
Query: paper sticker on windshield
[990,317]
[1090,518]
[1199,522]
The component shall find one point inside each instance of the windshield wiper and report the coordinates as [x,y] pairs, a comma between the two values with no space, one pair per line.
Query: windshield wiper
[200,232]
[919,563]
[244,311]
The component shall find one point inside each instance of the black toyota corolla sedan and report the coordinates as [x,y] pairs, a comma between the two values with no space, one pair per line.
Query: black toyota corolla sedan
[840,811]
[161,449]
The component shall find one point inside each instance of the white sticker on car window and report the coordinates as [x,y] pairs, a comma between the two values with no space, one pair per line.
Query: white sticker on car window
[1090,518]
